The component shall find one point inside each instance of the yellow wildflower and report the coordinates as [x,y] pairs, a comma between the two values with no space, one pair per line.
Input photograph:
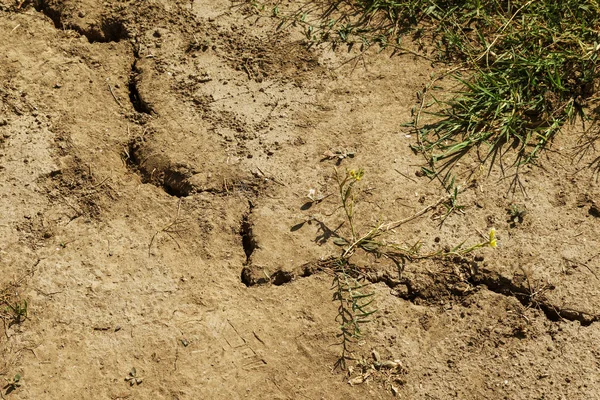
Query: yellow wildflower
[492,242]
[356,175]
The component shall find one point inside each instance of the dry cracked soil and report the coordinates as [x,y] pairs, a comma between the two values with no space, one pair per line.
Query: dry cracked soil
[155,163]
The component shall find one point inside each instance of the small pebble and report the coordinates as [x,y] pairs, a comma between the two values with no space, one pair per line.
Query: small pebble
[376,356]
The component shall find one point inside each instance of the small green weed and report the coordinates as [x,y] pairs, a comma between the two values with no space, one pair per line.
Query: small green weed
[16,311]
[12,384]
[452,204]
[516,214]
[349,284]
[13,309]
[354,307]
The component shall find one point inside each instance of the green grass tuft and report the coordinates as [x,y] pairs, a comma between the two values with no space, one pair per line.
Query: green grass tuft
[526,68]
[532,68]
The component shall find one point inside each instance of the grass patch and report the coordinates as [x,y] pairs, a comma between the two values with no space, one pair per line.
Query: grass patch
[525,68]
[531,69]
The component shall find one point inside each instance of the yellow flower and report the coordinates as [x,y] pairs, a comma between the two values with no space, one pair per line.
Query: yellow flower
[492,242]
[356,175]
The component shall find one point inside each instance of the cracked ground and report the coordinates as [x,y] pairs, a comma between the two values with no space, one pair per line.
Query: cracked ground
[155,163]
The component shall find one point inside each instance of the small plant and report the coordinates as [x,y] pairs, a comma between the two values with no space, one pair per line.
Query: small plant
[355,302]
[452,204]
[13,384]
[516,214]
[16,311]
[132,378]
[354,308]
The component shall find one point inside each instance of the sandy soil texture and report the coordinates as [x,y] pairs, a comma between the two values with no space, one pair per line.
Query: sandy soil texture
[156,159]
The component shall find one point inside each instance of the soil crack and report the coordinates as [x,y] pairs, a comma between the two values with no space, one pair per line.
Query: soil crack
[430,287]
[253,275]
[249,245]
[412,290]
[137,101]
[156,168]
[505,286]
[106,29]
[248,239]
[180,178]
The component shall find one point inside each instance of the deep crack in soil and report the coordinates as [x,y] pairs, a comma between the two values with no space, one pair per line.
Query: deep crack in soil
[490,280]
[106,28]
[500,284]
[248,240]
[135,98]
[249,277]
[433,290]
[157,168]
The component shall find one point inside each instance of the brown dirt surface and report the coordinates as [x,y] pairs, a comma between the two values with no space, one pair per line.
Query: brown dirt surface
[155,163]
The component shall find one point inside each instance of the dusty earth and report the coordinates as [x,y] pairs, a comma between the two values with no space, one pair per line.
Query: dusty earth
[155,162]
